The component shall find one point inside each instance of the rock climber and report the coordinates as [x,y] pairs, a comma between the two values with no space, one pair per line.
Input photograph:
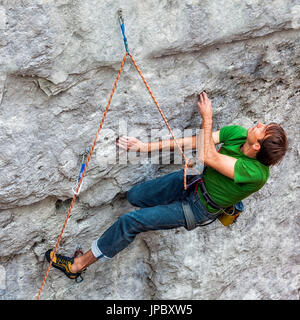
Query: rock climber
[240,168]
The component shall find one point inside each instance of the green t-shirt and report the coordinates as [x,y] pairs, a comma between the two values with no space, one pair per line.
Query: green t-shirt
[249,174]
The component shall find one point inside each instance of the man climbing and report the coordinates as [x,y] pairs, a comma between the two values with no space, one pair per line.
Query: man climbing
[240,168]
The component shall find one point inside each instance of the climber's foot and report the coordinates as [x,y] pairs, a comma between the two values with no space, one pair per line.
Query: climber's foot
[62,263]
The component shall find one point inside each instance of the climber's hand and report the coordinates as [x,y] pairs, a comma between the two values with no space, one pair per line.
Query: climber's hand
[204,106]
[131,144]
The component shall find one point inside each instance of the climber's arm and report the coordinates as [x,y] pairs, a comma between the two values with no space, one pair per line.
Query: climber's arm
[220,162]
[186,143]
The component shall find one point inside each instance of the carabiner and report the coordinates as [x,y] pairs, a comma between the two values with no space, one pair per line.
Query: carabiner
[78,251]
[121,20]
[83,163]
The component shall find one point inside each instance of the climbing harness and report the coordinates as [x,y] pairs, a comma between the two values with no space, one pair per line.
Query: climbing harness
[226,216]
[85,164]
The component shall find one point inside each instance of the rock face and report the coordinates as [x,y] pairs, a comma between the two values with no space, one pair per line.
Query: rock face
[58,63]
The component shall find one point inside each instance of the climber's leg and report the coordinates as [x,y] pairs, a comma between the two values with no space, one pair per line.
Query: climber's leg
[125,229]
[159,191]
[128,226]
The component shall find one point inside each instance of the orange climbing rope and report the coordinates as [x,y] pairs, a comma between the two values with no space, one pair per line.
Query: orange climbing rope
[93,147]
[78,186]
[186,160]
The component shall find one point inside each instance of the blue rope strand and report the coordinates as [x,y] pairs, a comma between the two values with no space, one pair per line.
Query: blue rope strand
[124,37]
[121,21]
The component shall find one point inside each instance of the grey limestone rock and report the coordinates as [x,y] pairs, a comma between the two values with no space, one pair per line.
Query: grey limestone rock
[58,62]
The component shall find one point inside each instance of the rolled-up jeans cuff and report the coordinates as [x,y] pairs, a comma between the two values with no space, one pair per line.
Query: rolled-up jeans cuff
[97,252]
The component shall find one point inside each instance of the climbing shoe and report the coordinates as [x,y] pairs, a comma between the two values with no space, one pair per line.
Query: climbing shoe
[63,264]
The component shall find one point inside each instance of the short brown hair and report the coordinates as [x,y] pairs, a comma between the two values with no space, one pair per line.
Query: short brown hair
[273,146]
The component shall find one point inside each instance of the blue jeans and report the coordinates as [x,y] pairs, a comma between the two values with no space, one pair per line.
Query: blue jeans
[160,201]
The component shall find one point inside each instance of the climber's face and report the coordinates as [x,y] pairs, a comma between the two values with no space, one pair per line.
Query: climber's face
[255,135]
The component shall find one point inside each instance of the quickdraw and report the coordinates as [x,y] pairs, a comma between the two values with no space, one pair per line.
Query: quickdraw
[122,25]
[83,164]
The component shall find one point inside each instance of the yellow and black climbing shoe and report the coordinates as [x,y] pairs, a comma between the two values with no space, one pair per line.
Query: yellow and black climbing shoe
[62,263]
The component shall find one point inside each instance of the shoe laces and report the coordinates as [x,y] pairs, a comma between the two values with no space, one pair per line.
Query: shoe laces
[62,259]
